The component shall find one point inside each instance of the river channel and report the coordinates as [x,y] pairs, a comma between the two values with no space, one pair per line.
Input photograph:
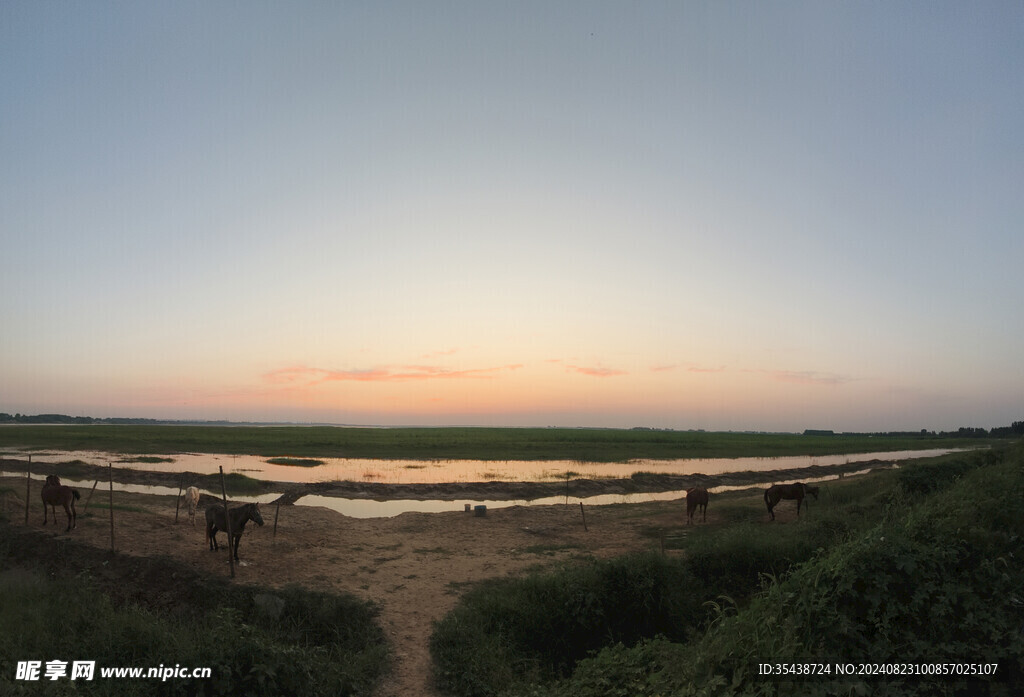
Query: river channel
[442,471]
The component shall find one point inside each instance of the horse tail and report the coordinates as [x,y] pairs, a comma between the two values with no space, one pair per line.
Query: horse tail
[75,492]
[766,497]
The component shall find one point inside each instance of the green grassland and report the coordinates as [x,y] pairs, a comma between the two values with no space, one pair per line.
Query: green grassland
[586,445]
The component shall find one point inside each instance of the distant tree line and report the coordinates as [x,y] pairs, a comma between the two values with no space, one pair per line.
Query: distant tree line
[85,420]
[1017,429]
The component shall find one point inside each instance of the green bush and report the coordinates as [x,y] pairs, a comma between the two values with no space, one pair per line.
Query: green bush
[308,643]
[941,583]
[538,627]
[732,560]
[927,477]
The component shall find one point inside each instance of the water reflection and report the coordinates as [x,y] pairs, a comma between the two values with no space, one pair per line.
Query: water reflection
[364,508]
[444,471]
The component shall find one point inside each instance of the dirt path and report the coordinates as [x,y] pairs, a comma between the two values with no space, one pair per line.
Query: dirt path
[414,566]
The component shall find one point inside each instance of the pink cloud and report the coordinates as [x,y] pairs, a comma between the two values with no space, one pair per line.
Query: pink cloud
[596,372]
[316,376]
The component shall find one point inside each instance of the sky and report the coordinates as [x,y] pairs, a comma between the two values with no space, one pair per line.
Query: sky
[720,215]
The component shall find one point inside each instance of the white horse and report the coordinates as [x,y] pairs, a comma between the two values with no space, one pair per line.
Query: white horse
[191,497]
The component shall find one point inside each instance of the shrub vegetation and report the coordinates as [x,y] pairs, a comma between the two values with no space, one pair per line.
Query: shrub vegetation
[925,567]
[255,641]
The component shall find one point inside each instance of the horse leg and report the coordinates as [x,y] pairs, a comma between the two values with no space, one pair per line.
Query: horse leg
[238,538]
[74,514]
[704,513]
[67,511]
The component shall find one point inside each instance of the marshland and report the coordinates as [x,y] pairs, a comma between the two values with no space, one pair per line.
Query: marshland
[530,599]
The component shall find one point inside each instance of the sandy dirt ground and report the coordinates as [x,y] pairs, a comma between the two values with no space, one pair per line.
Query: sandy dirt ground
[413,566]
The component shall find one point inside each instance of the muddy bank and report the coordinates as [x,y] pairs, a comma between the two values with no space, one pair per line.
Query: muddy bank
[488,490]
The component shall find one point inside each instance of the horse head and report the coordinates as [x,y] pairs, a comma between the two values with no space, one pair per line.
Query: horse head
[52,480]
[255,515]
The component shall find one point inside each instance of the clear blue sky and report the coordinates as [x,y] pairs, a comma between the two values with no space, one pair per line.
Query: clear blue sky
[722,215]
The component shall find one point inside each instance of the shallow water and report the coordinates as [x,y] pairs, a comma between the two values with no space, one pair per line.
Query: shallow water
[366,508]
[444,471]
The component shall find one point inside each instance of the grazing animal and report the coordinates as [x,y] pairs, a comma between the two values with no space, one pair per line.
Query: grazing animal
[215,521]
[797,491]
[191,497]
[54,493]
[696,497]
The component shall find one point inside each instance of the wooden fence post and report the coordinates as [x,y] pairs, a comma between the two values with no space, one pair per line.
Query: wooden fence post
[277,512]
[110,470]
[28,487]
[177,501]
[584,517]
[227,519]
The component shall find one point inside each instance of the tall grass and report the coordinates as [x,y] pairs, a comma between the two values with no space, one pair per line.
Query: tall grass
[281,642]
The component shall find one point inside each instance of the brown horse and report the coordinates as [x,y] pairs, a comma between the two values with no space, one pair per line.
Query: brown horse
[54,493]
[216,521]
[797,491]
[696,497]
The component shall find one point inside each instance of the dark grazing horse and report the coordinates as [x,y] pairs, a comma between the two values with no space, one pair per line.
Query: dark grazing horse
[696,497]
[240,515]
[55,493]
[797,491]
